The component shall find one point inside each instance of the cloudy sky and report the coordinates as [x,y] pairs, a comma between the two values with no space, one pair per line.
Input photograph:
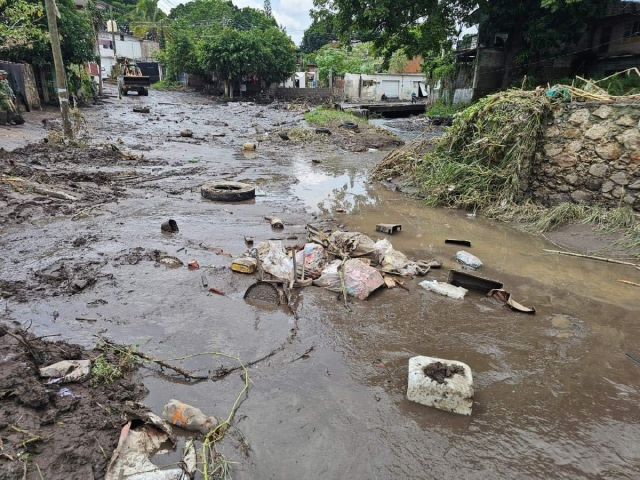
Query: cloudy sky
[292,14]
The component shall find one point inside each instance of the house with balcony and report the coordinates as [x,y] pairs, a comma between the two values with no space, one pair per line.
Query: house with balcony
[616,42]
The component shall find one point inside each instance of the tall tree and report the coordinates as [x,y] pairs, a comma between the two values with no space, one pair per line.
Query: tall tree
[267,8]
[20,24]
[147,19]
[319,33]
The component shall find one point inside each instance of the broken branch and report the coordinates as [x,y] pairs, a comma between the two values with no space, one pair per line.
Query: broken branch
[601,259]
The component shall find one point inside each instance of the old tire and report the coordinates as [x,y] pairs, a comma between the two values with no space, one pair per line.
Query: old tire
[145,92]
[349,125]
[324,131]
[223,191]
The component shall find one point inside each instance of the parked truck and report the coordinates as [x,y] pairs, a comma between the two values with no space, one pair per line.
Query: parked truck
[132,80]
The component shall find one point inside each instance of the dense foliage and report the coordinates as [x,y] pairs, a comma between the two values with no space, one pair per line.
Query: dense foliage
[24,32]
[216,37]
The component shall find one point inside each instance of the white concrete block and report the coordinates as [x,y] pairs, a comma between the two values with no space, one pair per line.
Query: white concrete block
[454,394]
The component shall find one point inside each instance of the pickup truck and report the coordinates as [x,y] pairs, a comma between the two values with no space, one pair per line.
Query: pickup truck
[132,80]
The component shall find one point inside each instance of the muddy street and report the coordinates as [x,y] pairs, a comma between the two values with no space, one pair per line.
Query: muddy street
[555,394]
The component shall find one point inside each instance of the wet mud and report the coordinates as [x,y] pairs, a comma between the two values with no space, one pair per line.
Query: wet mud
[56,430]
[555,394]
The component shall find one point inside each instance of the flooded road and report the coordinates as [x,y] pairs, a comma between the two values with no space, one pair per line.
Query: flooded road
[555,394]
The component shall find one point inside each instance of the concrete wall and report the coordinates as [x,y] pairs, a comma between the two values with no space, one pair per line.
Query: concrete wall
[590,153]
[364,87]
[130,47]
[311,95]
[618,44]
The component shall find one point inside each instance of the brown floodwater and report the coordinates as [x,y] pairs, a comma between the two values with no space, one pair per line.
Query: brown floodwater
[555,394]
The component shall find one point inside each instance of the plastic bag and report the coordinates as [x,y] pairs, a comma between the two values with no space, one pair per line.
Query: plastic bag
[314,258]
[354,244]
[359,279]
[274,259]
[444,289]
[394,261]
[468,260]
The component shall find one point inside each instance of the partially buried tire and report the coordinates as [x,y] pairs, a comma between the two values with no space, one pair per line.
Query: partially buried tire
[228,191]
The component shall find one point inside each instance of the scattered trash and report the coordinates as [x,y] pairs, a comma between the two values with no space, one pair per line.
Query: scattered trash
[204,281]
[393,261]
[341,210]
[276,223]
[248,240]
[349,125]
[188,417]
[274,259]
[226,191]
[244,265]
[83,319]
[310,261]
[444,289]
[443,384]
[169,226]
[218,134]
[360,280]
[249,146]
[454,241]
[67,371]
[388,228]
[193,265]
[186,133]
[468,260]
[505,297]
[141,109]
[389,282]
[65,392]
[433,264]
[323,131]
[263,292]
[315,160]
[141,440]
[216,291]
[283,136]
[472,282]
[171,262]
[354,244]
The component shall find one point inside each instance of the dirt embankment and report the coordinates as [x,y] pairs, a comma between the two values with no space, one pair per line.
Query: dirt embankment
[57,431]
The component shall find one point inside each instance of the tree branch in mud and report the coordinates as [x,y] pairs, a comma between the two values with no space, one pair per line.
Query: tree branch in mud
[601,259]
[17,183]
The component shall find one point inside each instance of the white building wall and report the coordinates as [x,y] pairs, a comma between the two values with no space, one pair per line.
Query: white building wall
[365,87]
[130,47]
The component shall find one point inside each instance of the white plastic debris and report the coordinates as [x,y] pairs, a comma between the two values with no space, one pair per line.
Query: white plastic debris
[67,371]
[314,257]
[450,388]
[468,260]
[444,288]
[354,244]
[274,259]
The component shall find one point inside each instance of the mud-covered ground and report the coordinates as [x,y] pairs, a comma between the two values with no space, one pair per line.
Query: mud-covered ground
[56,430]
[556,395]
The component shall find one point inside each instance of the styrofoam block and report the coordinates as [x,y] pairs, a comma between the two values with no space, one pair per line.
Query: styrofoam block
[454,395]
[443,288]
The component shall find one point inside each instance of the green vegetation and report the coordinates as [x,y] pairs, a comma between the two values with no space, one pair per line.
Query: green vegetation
[324,116]
[444,109]
[341,59]
[166,84]
[112,365]
[478,162]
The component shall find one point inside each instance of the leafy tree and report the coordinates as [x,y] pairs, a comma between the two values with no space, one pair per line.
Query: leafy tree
[19,21]
[340,60]
[267,8]
[320,32]
[76,36]
[147,19]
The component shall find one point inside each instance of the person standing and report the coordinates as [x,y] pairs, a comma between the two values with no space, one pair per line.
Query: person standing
[9,112]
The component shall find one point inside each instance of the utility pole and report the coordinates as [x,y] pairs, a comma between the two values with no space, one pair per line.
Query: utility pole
[113,32]
[61,78]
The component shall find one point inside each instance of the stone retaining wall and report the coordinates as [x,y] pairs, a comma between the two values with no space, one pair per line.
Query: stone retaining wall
[311,95]
[590,153]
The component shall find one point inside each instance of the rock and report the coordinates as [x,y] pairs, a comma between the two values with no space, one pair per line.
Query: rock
[603,111]
[635,185]
[629,199]
[468,260]
[580,196]
[571,133]
[443,384]
[580,117]
[186,133]
[597,132]
[607,186]
[563,188]
[564,160]
[571,179]
[626,121]
[620,178]
[630,139]
[552,149]
[598,170]
[574,147]
[635,156]
[608,151]
[618,192]
[593,184]
[552,132]
[218,134]
[558,198]
[549,172]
